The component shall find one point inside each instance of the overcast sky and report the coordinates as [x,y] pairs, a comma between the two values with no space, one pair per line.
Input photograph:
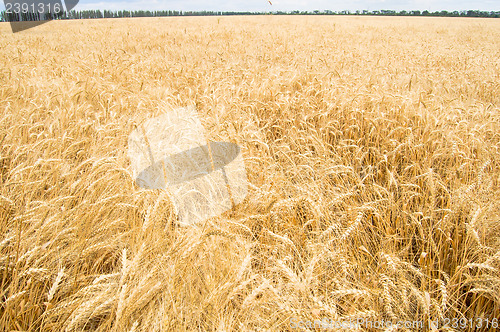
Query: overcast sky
[288,5]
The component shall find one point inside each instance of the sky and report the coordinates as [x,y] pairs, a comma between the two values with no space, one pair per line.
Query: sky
[289,5]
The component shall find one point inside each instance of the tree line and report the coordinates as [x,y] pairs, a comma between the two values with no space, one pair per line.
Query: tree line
[92,14]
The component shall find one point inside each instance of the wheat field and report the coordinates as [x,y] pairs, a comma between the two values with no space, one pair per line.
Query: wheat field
[372,151]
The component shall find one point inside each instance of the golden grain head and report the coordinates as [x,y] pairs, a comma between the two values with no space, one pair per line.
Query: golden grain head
[372,149]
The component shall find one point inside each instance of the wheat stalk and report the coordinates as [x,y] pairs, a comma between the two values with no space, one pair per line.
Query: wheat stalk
[372,167]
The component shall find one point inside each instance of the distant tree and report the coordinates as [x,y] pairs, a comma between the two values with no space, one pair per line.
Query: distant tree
[92,14]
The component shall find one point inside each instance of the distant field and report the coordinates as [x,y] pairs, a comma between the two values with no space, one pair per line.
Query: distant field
[372,147]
